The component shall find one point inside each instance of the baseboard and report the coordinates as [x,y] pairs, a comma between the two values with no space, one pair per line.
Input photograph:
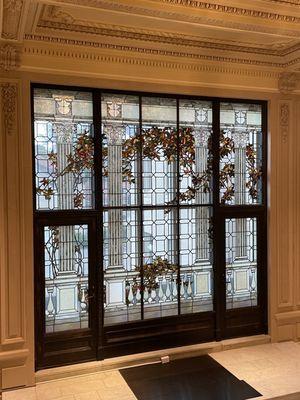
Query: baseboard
[148,357]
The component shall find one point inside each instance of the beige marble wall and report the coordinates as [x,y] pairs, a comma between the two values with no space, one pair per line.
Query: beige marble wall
[16,231]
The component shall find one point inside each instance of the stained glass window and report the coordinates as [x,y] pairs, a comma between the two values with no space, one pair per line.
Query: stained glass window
[64,149]
[156,175]
[66,277]
[241,262]
[240,154]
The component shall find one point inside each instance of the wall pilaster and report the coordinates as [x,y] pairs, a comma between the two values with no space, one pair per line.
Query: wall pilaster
[15,287]
[284,228]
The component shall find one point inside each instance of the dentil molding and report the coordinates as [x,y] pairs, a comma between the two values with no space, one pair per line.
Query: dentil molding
[204,5]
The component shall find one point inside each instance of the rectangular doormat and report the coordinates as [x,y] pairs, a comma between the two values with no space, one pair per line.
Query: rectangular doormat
[197,378]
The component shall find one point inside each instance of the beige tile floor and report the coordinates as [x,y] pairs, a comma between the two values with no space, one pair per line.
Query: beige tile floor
[272,369]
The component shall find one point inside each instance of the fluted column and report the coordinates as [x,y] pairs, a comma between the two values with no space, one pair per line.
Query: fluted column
[114,137]
[240,141]
[201,213]
[65,183]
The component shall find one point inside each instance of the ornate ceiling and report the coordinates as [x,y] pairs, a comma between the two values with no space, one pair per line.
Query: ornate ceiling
[261,34]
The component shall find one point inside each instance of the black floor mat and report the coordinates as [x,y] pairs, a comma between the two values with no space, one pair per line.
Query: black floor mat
[198,378]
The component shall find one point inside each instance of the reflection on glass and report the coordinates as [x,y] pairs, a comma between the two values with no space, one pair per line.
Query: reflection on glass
[240,154]
[241,262]
[66,277]
[64,149]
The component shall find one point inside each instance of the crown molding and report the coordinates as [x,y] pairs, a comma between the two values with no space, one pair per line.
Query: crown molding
[31,49]
[64,21]
[288,2]
[187,56]
[177,16]
[242,12]
[10,56]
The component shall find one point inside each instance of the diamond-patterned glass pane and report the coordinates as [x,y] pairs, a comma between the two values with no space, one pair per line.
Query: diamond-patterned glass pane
[66,277]
[240,154]
[241,262]
[159,147]
[159,263]
[64,149]
[121,261]
[196,260]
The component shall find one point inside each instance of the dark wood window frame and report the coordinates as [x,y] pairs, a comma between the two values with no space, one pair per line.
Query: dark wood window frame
[101,341]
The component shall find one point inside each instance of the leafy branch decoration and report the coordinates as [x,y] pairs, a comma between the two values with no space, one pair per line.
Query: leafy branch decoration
[150,271]
[156,144]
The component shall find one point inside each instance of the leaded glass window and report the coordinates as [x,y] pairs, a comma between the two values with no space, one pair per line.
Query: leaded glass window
[148,208]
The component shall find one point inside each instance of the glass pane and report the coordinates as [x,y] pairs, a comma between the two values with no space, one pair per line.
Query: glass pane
[241,262]
[121,148]
[240,154]
[159,263]
[66,277]
[64,149]
[195,151]
[196,260]
[121,266]
[159,143]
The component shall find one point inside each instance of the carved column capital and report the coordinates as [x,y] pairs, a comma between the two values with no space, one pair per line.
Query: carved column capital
[10,56]
[287,82]
[9,93]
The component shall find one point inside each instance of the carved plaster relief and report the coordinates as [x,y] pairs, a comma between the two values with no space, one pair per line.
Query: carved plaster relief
[141,10]
[9,93]
[12,10]
[10,56]
[287,82]
[284,115]
[57,18]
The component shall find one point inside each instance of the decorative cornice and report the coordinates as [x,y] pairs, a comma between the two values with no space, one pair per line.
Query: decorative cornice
[284,120]
[10,56]
[143,50]
[289,2]
[238,11]
[287,82]
[65,22]
[12,10]
[176,16]
[152,62]
[9,93]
